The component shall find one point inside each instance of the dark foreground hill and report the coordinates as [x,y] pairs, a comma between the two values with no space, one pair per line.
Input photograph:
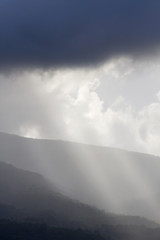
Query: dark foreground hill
[27,195]
[31,209]
[10,230]
[111,179]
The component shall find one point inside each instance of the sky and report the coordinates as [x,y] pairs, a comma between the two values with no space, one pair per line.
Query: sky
[84,71]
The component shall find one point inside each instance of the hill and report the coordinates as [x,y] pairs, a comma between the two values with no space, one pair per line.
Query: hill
[27,195]
[111,179]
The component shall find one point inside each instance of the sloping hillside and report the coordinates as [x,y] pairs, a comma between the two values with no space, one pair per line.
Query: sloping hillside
[111,179]
[27,195]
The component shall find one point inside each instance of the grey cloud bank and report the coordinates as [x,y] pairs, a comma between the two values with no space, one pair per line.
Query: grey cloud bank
[45,33]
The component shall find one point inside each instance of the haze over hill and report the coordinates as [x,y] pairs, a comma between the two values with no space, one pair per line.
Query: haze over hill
[28,203]
[28,195]
[111,179]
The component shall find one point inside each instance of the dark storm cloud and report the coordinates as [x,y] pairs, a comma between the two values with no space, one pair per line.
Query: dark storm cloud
[46,33]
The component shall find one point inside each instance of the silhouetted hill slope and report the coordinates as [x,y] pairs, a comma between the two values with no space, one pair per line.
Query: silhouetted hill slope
[10,230]
[27,195]
[115,180]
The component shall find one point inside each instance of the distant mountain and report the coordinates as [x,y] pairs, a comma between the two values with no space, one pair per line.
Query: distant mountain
[27,195]
[111,179]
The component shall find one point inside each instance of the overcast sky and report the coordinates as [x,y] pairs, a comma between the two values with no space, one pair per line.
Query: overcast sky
[85,71]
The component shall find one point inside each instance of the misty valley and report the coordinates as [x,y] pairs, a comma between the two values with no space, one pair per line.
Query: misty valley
[62,190]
